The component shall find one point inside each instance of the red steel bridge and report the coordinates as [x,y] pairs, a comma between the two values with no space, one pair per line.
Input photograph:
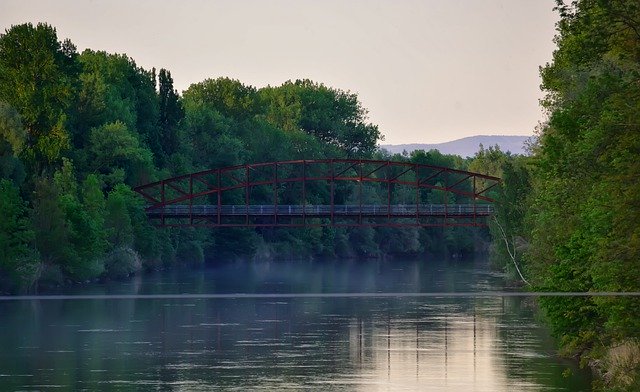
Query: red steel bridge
[324,192]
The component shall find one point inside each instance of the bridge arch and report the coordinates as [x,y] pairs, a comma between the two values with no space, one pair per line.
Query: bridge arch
[324,192]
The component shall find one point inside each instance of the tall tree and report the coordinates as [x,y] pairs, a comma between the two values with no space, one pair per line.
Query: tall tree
[214,112]
[171,113]
[113,88]
[37,77]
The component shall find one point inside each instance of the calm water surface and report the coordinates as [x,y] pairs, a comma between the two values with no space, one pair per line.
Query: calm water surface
[288,343]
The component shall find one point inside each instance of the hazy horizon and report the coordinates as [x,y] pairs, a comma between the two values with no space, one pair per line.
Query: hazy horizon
[458,139]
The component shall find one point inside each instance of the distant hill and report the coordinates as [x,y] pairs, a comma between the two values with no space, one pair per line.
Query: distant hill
[466,147]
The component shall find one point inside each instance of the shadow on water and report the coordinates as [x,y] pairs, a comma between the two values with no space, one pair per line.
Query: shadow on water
[255,343]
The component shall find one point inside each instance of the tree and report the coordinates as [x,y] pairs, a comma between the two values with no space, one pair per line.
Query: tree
[16,235]
[211,134]
[12,140]
[117,219]
[93,198]
[49,223]
[11,129]
[584,181]
[333,116]
[171,113]
[114,89]
[283,107]
[115,153]
[85,232]
[229,97]
[37,76]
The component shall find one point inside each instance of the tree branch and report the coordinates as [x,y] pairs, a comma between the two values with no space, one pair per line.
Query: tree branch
[511,254]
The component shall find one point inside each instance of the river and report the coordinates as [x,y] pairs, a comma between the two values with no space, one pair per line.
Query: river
[331,338]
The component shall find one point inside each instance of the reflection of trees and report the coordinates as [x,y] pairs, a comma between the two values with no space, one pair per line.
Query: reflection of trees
[272,342]
[518,324]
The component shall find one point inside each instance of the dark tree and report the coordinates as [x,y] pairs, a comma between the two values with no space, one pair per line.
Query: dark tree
[171,113]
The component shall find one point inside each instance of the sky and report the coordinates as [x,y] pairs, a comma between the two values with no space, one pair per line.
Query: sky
[427,71]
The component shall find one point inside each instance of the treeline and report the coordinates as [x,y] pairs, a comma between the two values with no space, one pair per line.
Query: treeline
[569,214]
[79,130]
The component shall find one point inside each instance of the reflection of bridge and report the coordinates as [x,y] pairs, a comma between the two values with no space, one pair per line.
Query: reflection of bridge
[331,192]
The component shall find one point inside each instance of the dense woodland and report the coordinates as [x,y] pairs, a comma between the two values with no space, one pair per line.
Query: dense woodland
[79,130]
[571,211]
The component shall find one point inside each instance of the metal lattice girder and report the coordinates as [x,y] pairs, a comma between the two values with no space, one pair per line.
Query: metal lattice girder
[320,182]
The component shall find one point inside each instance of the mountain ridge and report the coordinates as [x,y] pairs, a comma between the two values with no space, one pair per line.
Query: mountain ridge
[467,146]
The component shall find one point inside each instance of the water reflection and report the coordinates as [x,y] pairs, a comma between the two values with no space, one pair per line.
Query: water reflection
[327,344]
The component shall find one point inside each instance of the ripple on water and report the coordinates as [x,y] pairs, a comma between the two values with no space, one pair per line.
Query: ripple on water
[328,344]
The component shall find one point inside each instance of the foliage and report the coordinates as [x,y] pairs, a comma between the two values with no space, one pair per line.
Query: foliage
[122,262]
[12,140]
[37,77]
[333,116]
[580,218]
[170,114]
[114,89]
[85,129]
[49,223]
[117,219]
[11,129]
[116,154]
[16,234]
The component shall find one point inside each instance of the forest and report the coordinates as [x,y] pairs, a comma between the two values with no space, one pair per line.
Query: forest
[80,130]
[570,211]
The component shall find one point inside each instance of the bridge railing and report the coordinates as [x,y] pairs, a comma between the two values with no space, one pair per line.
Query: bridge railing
[259,190]
[402,210]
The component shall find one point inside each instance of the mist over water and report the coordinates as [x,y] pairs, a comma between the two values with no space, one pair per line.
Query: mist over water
[398,343]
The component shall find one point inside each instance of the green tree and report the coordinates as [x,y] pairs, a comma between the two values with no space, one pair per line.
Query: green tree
[116,153]
[582,214]
[114,89]
[333,116]
[37,77]
[171,113]
[93,198]
[86,245]
[229,97]
[11,129]
[12,140]
[49,223]
[283,106]
[117,218]
[210,137]
[134,243]
[16,234]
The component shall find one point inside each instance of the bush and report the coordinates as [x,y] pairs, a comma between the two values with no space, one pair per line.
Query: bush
[122,262]
[28,271]
[50,276]
[622,363]
[190,252]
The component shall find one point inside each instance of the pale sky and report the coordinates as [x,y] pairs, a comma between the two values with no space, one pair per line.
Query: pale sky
[428,71]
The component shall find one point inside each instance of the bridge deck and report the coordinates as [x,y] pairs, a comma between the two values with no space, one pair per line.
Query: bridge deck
[197,199]
[313,211]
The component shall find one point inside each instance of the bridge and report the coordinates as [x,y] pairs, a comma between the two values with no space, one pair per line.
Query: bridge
[327,192]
